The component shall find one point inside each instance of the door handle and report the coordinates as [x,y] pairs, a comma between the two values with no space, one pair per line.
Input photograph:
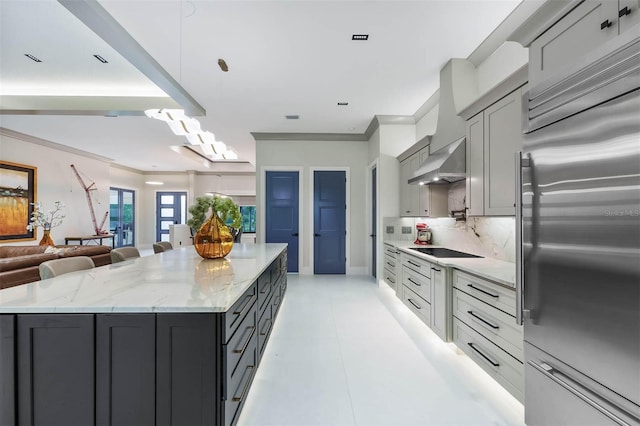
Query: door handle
[316,235]
[295,234]
[624,11]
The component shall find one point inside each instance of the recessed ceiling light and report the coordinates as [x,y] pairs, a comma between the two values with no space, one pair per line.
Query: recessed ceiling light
[343,103]
[363,37]
[223,65]
[292,117]
[33,58]
[101,59]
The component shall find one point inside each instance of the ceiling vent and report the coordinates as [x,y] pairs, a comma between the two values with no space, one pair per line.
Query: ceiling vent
[101,59]
[362,37]
[343,103]
[292,117]
[33,58]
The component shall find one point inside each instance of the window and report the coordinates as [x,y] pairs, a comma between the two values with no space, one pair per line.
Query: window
[248,219]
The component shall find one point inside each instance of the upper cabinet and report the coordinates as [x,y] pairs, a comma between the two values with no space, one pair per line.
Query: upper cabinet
[420,200]
[493,136]
[563,37]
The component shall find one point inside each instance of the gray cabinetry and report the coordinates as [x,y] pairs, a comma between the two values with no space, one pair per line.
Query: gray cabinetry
[425,291]
[493,136]
[125,347]
[420,200]
[440,302]
[484,327]
[188,381]
[591,25]
[390,259]
[55,369]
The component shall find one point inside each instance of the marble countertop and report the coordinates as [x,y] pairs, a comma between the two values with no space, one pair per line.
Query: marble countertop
[500,271]
[173,281]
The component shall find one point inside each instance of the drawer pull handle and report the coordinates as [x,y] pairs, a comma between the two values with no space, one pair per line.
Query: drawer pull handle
[605,24]
[414,304]
[624,11]
[264,332]
[390,264]
[244,305]
[483,291]
[472,346]
[265,289]
[436,269]
[390,279]
[479,318]
[414,282]
[246,343]
[413,263]
[553,374]
[246,385]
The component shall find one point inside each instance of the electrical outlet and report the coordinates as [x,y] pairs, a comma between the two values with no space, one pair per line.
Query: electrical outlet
[390,229]
[406,229]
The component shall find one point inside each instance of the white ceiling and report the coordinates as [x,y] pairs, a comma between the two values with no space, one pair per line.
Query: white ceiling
[284,57]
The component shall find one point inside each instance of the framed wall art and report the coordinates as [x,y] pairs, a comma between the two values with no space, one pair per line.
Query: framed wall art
[17,195]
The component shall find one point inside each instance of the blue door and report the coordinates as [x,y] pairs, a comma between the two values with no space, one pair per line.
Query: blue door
[329,222]
[281,213]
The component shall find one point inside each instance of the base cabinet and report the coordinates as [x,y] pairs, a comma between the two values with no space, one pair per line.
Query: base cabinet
[484,327]
[425,290]
[126,369]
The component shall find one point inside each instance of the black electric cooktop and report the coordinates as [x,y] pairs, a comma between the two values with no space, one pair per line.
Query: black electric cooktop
[442,252]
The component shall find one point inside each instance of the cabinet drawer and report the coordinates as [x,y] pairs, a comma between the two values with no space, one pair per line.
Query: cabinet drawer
[264,290]
[237,385]
[276,299]
[390,262]
[240,342]
[416,264]
[390,251]
[390,278]
[417,304]
[234,316]
[507,370]
[418,283]
[264,328]
[492,323]
[493,294]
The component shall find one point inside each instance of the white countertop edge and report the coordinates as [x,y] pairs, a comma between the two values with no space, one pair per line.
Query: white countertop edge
[499,271]
[161,283]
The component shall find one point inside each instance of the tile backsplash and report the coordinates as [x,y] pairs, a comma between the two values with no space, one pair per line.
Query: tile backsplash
[484,236]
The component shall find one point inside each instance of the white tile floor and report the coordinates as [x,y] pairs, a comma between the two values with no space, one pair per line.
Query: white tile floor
[345,351]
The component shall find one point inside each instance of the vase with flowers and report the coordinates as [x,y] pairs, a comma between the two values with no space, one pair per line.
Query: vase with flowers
[214,236]
[46,219]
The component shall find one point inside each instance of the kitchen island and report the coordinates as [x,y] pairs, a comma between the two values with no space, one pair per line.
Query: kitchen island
[165,339]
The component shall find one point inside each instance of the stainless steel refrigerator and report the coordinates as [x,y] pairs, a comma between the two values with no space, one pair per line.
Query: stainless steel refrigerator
[578,216]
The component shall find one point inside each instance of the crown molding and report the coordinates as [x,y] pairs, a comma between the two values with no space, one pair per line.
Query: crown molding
[46,143]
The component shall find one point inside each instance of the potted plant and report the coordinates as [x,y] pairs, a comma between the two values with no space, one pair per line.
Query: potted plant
[214,235]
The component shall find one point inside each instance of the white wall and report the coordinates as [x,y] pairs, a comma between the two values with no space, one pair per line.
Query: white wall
[56,182]
[306,155]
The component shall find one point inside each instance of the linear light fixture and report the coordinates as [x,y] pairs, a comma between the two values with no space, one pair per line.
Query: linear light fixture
[363,37]
[33,58]
[183,125]
[153,182]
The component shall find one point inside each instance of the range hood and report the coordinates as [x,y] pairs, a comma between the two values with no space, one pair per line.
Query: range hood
[446,165]
[447,161]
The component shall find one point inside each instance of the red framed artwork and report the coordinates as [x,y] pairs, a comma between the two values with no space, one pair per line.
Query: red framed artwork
[17,195]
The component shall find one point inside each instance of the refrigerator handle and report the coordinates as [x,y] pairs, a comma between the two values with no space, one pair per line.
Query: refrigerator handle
[519,163]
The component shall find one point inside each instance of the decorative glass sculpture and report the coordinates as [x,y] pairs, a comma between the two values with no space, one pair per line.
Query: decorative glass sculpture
[213,240]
